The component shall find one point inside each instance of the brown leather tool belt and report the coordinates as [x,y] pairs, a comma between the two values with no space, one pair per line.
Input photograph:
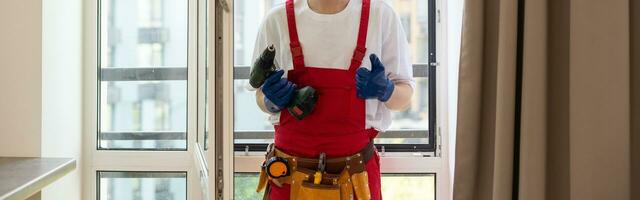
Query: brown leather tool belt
[354,163]
[342,176]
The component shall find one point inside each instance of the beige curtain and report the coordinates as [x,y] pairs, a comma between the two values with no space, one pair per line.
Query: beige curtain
[575,131]
[635,99]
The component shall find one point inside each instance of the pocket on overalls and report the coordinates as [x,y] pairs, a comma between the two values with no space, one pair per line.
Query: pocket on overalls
[310,191]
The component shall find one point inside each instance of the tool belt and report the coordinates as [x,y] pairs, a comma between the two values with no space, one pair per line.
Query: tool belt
[318,178]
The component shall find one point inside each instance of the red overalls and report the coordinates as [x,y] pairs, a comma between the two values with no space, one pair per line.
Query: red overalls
[337,124]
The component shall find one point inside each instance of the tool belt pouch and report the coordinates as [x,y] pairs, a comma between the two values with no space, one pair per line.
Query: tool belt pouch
[337,184]
[343,187]
[331,187]
[262,181]
[310,191]
[361,185]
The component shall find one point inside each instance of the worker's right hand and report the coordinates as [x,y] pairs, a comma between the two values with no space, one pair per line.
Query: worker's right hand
[278,90]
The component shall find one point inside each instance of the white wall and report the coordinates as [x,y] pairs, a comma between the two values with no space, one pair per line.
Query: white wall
[454,28]
[40,83]
[20,77]
[62,91]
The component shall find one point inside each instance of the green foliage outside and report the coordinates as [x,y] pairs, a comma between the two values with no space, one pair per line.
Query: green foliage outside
[245,186]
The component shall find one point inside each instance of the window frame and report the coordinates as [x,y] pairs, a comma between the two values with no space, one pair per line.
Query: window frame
[134,172]
[132,73]
[221,155]
[94,159]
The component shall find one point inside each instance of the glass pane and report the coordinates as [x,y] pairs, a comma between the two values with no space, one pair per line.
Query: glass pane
[143,33]
[409,186]
[244,186]
[248,14]
[142,109]
[413,16]
[414,120]
[207,83]
[248,116]
[417,116]
[203,75]
[142,185]
[394,186]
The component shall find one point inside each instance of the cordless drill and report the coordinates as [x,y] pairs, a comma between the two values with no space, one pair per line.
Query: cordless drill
[304,99]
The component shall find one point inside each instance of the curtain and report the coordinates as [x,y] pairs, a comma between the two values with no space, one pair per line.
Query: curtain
[549,100]
[634,9]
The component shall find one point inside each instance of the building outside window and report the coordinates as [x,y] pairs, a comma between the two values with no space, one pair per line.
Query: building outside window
[138,113]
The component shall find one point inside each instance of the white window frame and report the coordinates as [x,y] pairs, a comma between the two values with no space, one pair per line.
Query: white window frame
[136,161]
[396,162]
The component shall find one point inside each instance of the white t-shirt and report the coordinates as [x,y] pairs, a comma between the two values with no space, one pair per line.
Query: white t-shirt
[328,41]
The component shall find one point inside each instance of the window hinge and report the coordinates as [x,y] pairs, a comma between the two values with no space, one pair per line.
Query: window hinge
[434,64]
[224,5]
[220,180]
[438,15]
[439,142]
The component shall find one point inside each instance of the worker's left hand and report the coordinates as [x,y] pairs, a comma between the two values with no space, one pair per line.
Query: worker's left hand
[374,83]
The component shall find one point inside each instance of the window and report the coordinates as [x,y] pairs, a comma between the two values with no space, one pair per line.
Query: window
[145,86]
[409,147]
[142,185]
[143,75]
[203,74]
[148,101]
[412,130]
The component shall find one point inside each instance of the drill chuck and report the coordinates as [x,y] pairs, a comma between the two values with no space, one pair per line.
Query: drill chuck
[262,67]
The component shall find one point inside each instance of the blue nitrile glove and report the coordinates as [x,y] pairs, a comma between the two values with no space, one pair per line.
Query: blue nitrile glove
[374,83]
[278,90]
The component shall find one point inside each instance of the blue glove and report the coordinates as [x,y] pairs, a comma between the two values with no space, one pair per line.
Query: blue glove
[278,90]
[374,83]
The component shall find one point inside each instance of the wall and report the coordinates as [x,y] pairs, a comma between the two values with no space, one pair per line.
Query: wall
[62,91]
[20,77]
[453,22]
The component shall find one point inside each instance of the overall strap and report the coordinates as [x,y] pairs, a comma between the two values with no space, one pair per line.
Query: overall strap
[361,47]
[296,49]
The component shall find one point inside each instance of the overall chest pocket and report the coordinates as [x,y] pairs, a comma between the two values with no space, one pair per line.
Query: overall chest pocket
[337,104]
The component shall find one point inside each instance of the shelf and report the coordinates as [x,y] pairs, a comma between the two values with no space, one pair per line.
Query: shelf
[22,177]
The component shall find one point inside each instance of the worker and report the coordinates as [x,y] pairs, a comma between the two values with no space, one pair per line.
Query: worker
[355,54]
